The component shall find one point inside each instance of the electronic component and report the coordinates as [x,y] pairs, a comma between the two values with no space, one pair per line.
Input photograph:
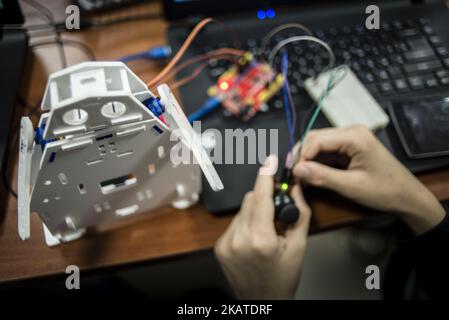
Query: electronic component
[285,209]
[348,103]
[245,88]
[101,152]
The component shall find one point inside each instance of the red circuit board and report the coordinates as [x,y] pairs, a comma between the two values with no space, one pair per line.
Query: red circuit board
[243,89]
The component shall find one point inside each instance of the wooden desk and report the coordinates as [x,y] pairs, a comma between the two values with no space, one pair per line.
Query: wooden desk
[167,232]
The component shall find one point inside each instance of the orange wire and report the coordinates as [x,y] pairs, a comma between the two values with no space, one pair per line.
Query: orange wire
[185,80]
[196,73]
[211,54]
[217,53]
[181,51]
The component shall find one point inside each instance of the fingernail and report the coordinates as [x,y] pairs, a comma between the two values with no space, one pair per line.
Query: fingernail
[269,160]
[269,166]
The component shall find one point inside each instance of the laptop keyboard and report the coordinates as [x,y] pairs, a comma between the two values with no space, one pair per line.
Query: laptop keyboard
[402,56]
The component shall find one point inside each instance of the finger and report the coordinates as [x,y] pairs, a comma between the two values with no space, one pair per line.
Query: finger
[297,235]
[242,217]
[270,166]
[264,184]
[343,140]
[222,245]
[246,208]
[293,156]
[262,213]
[298,198]
[320,175]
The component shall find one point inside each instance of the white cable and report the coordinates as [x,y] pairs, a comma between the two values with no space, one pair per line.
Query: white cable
[280,28]
[284,42]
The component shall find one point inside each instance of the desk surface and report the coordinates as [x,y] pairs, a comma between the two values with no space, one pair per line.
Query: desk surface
[160,234]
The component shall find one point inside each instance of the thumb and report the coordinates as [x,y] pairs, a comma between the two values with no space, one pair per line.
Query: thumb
[320,175]
[299,231]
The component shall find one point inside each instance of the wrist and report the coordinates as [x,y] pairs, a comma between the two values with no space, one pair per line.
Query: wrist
[423,211]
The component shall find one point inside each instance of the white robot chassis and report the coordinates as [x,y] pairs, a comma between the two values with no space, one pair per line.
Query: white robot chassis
[102,150]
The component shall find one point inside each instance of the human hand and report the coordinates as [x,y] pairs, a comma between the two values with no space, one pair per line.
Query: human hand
[373,178]
[259,263]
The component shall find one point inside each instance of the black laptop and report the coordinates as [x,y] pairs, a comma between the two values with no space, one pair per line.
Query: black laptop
[407,58]
[13,45]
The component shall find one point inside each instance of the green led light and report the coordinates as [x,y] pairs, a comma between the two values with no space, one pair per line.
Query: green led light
[284,186]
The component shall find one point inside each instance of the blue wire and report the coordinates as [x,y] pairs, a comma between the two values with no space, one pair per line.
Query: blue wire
[155,53]
[286,101]
[208,106]
[133,57]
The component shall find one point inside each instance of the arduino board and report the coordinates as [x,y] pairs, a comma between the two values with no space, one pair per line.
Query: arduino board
[245,88]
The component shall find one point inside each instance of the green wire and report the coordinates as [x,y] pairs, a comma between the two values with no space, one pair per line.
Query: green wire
[319,105]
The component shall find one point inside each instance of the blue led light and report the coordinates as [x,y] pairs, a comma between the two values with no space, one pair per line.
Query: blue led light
[261,14]
[271,13]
